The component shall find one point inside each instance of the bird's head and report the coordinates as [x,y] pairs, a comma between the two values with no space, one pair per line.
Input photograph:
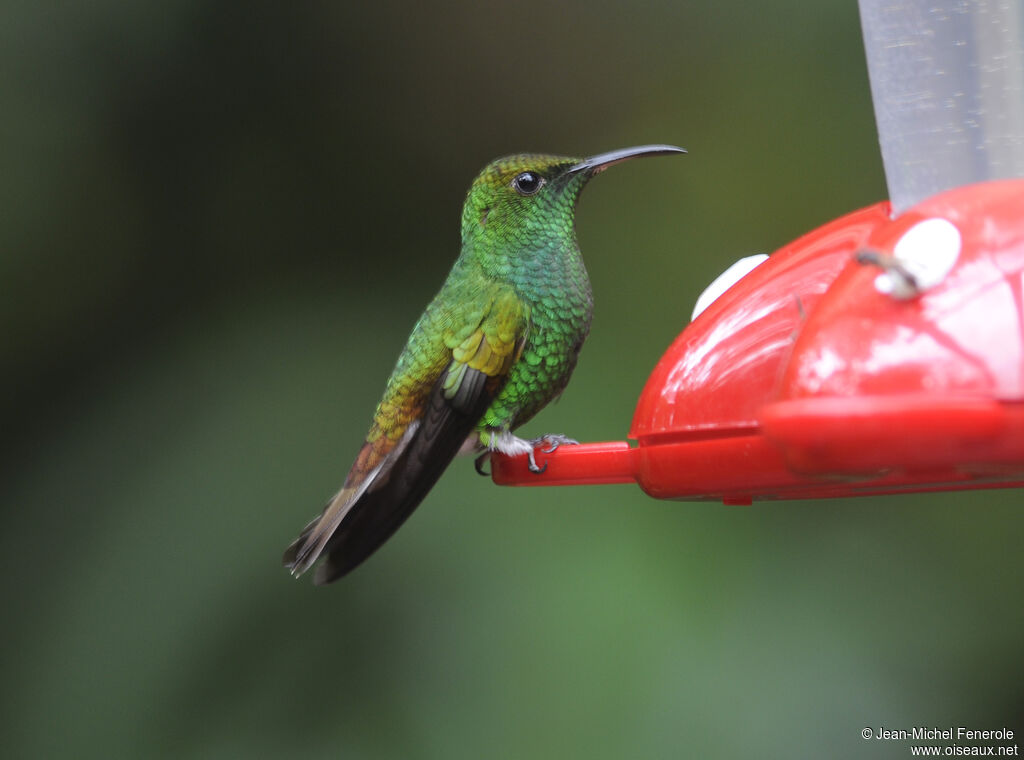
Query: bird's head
[528,201]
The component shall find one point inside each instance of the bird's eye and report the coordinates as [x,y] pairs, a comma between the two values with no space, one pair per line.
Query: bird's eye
[527,183]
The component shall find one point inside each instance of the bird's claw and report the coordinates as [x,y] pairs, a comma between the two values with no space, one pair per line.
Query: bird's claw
[553,441]
[479,462]
[534,468]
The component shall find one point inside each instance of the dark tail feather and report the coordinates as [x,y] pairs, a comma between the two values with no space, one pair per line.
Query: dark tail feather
[372,522]
[291,554]
[402,484]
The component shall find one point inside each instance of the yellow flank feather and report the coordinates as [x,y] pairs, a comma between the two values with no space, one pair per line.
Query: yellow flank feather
[468,348]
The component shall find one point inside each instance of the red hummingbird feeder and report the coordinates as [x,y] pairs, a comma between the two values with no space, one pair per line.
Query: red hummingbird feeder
[880,353]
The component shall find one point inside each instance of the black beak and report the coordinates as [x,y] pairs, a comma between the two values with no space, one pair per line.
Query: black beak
[602,161]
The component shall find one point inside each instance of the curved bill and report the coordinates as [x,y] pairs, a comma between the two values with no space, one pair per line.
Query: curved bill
[602,161]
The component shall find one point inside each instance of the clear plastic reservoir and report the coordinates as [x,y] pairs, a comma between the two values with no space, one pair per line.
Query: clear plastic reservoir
[947,79]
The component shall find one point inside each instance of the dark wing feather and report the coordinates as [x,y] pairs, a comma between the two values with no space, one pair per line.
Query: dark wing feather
[394,495]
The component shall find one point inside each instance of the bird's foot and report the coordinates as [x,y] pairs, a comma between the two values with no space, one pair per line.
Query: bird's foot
[552,441]
[480,461]
[532,464]
[513,446]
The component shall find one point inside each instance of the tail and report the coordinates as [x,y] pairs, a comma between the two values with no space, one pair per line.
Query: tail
[307,548]
[367,512]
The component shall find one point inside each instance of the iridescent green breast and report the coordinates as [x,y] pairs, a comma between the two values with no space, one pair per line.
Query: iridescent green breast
[560,302]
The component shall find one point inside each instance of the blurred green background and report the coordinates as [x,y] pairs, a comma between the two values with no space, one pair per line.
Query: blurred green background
[220,221]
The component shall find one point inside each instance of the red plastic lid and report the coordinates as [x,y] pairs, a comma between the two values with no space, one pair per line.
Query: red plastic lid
[719,370]
[869,356]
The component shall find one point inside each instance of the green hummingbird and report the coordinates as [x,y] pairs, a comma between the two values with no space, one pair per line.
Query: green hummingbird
[497,343]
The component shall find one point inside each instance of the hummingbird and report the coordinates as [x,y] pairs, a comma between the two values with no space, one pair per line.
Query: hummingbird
[495,345]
